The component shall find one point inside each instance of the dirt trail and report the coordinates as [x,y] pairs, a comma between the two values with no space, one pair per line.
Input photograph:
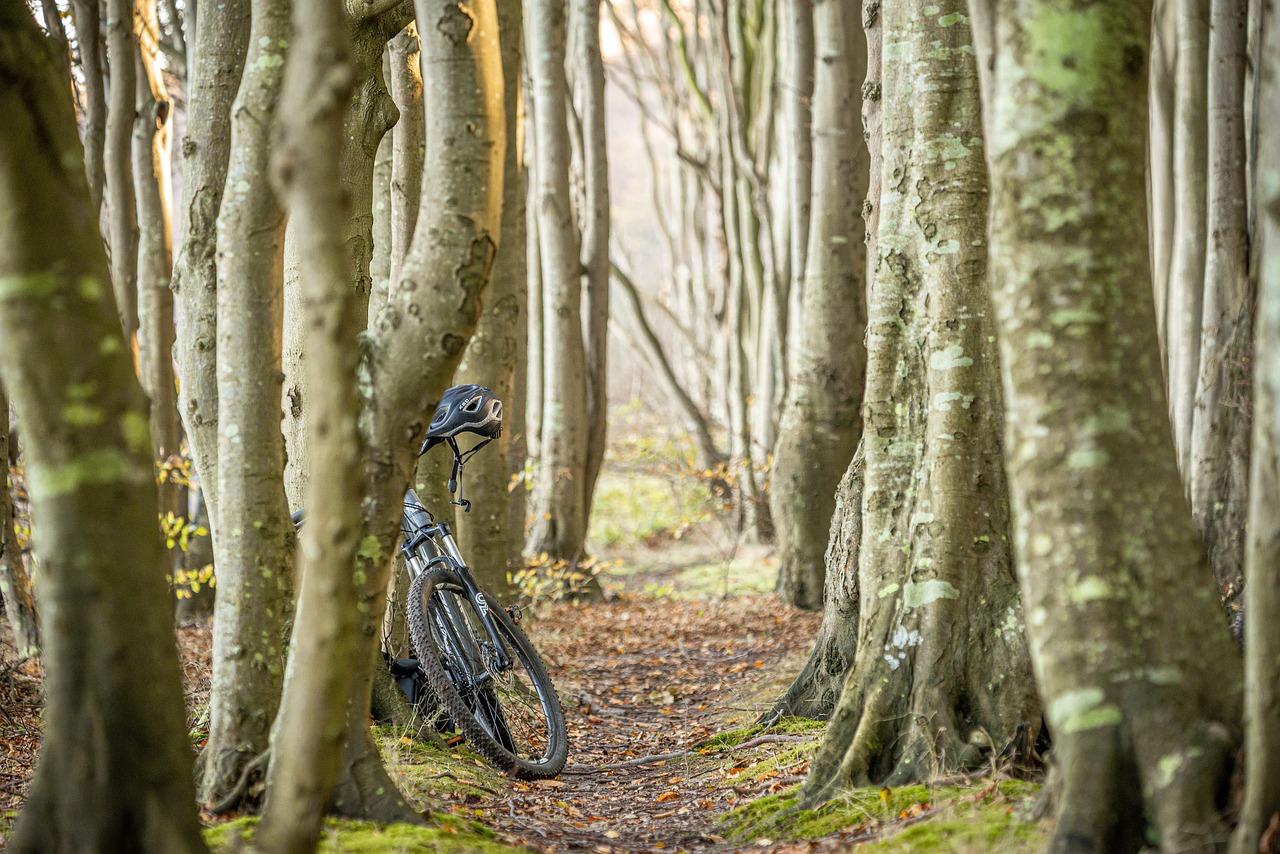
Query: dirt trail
[647,678]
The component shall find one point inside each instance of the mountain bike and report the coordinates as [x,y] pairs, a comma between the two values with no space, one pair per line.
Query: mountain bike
[484,673]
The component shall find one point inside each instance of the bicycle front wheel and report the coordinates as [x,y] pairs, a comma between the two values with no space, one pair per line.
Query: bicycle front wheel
[511,715]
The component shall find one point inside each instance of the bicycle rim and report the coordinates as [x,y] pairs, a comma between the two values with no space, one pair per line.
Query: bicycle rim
[512,716]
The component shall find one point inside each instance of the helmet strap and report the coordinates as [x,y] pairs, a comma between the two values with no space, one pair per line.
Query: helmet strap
[460,458]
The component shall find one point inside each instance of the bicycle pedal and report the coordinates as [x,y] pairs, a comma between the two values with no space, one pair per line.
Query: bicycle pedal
[514,613]
[454,741]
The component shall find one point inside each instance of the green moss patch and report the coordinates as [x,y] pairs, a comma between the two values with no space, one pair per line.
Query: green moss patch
[441,833]
[784,726]
[985,817]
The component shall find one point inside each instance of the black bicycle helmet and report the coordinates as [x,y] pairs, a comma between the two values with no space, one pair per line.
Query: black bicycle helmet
[464,409]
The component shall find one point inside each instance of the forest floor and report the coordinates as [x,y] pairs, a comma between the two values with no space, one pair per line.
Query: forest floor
[662,683]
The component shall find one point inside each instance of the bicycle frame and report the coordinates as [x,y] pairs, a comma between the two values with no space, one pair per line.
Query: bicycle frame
[421,530]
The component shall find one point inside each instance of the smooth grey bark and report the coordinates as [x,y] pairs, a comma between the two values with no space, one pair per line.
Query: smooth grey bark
[1262,549]
[369,116]
[489,539]
[221,39]
[1161,180]
[405,85]
[797,87]
[1219,473]
[151,188]
[122,235]
[380,264]
[419,337]
[816,689]
[558,506]
[115,765]
[306,743]
[254,545]
[534,332]
[822,418]
[88,20]
[1140,681]
[1186,277]
[942,668]
[593,220]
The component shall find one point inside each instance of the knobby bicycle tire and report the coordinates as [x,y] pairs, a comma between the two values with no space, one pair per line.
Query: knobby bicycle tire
[512,719]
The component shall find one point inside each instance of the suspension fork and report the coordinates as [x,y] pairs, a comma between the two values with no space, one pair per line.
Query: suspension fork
[444,537]
[420,528]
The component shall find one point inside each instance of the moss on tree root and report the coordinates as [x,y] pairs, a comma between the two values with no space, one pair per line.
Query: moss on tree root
[984,817]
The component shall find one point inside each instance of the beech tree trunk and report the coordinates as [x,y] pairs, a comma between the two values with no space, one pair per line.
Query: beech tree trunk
[254,546]
[1141,684]
[490,541]
[558,506]
[369,116]
[797,87]
[407,143]
[816,689]
[307,737]
[1219,471]
[156,331]
[593,219]
[1161,180]
[822,418]
[88,20]
[942,669]
[122,46]
[419,337]
[1186,277]
[1262,550]
[115,764]
[221,39]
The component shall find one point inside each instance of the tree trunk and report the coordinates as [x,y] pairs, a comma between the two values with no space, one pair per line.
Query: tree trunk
[489,540]
[1186,277]
[88,20]
[797,97]
[122,46]
[558,506]
[815,691]
[155,255]
[406,163]
[593,219]
[15,585]
[380,264]
[221,39]
[1220,429]
[1139,678]
[1262,550]
[418,339]
[1161,180]
[822,418]
[939,611]
[115,764]
[254,547]
[369,116]
[306,743]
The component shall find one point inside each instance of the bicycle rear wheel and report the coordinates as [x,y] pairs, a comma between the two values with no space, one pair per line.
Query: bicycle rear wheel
[512,717]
